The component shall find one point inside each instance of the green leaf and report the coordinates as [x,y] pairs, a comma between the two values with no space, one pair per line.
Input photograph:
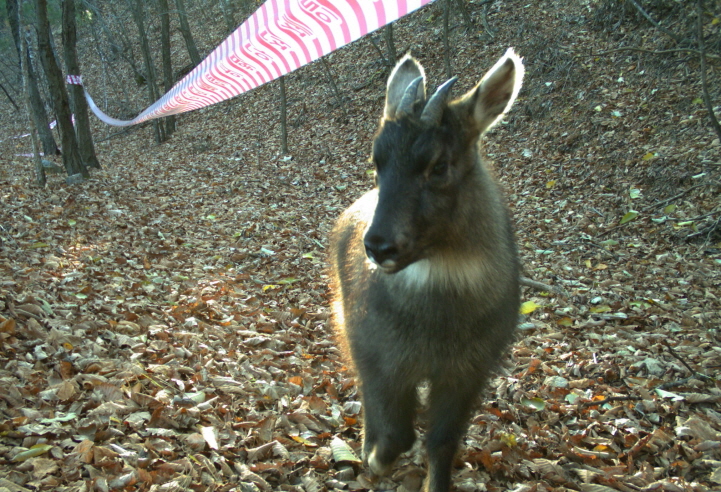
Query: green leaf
[71,222]
[342,452]
[308,255]
[648,156]
[668,394]
[600,309]
[634,193]
[630,215]
[698,101]
[60,418]
[537,404]
[572,398]
[669,208]
[609,242]
[34,451]
[39,245]
[288,281]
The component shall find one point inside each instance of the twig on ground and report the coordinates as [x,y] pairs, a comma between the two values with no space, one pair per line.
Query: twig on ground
[534,284]
[588,242]
[608,400]
[654,23]
[652,52]
[484,19]
[694,374]
[669,200]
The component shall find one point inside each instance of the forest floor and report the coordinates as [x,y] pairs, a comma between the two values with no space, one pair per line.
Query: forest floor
[165,324]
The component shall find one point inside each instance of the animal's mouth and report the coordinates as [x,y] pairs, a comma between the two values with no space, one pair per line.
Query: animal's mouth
[389,266]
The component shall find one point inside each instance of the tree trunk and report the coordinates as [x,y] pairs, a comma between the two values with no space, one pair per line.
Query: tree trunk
[38,114]
[79,104]
[227,15]
[446,40]
[187,35]
[149,67]
[71,156]
[167,61]
[12,101]
[390,44]
[40,177]
[283,118]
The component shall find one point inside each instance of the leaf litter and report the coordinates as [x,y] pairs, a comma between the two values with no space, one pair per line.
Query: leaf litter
[165,325]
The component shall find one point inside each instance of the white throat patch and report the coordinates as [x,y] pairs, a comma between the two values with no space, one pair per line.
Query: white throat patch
[466,273]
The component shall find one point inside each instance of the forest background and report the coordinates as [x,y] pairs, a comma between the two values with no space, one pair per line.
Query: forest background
[164,315]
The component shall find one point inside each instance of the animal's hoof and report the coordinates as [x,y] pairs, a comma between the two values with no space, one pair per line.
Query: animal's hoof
[376,466]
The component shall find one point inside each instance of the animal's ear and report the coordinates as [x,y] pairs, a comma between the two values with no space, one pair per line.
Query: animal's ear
[485,104]
[406,71]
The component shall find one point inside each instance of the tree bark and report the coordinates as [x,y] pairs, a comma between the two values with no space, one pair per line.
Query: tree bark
[446,40]
[390,44]
[12,101]
[187,35]
[77,93]
[37,108]
[227,15]
[149,67]
[40,177]
[71,156]
[283,118]
[167,61]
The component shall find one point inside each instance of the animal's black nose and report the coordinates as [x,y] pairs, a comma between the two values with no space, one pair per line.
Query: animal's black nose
[380,250]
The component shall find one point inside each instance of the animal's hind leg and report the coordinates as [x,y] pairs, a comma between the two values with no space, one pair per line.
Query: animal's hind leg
[389,408]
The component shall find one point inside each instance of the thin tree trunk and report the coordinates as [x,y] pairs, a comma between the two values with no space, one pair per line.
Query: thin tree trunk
[167,61]
[461,4]
[446,40]
[283,118]
[38,113]
[702,57]
[187,35]
[80,105]
[227,15]
[138,16]
[71,156]
[40,178]
[333,85]
[390,44]
[12,101]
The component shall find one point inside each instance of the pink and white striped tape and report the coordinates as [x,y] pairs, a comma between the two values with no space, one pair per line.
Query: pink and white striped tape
[281,36]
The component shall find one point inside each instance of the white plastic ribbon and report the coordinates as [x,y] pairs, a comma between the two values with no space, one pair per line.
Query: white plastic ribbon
[281,36]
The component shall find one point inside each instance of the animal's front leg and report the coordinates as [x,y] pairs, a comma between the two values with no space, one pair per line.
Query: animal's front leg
[449,411]
[389,406]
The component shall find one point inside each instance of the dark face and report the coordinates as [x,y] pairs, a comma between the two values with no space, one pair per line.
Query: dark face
[419,175]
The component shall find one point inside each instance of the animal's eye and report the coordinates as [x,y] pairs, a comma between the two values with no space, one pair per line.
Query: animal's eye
[439,169]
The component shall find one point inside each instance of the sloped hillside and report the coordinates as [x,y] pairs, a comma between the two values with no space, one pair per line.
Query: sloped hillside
[165,325]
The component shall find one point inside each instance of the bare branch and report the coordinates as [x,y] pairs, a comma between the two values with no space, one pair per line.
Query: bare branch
[661,52]
[702,56]
[655,24]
